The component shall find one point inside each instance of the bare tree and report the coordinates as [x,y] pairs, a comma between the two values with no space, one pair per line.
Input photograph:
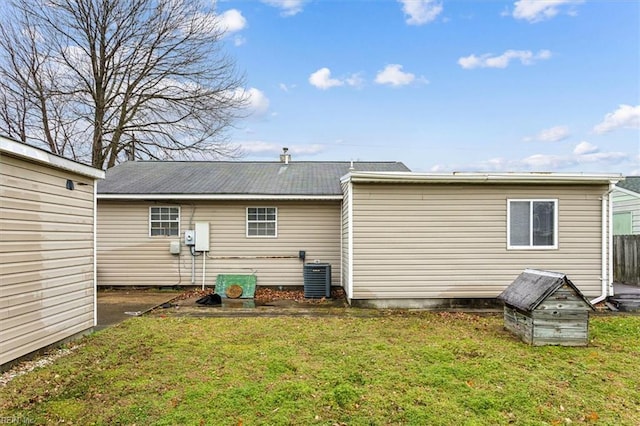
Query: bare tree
[99,80]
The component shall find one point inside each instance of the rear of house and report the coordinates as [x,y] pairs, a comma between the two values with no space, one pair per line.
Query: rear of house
[47,219]
[393,238]
[414,240]
[135,237]
[261,218]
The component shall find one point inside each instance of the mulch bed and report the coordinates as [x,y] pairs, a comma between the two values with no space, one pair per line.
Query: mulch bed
[265,295]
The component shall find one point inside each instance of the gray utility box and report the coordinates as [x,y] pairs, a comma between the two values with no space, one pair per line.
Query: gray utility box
[317,280]
[546,308]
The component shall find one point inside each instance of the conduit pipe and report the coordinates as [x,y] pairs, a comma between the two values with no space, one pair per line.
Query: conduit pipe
[193,270]
[204,268]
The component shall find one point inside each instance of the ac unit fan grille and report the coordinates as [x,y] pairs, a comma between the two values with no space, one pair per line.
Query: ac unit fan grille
[317,280]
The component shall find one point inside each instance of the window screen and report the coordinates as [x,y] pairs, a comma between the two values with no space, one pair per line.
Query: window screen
[262,221]
[164,221]
[532,223]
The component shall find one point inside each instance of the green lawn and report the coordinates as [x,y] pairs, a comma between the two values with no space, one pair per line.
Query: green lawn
[416,369]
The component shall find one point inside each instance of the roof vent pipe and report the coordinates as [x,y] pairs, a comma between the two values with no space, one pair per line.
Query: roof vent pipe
[284,157]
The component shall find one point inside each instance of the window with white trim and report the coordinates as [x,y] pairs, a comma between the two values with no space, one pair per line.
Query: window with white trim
[262,221]
[532,224]
[164,221]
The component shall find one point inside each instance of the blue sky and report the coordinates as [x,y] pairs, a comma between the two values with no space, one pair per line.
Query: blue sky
[442,86]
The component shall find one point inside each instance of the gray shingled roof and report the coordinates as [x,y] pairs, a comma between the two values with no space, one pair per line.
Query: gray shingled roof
[234,177]
[533,286]
[632,183]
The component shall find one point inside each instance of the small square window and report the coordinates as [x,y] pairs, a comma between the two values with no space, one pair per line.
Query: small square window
[164,221]
[262,222]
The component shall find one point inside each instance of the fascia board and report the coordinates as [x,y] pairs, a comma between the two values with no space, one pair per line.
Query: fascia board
[627,192]
[38,155]
[539,178]
[197,197]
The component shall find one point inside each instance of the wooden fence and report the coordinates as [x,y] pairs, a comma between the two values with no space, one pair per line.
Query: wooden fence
[626,259]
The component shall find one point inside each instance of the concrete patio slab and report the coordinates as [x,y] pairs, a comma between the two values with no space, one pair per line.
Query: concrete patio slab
[117,305]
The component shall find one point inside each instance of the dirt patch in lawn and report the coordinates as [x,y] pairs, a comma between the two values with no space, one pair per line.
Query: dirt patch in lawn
[266,296]
[268,302]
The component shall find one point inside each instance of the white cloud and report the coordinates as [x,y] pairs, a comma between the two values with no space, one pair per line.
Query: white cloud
[540,10]
[232,21]
[311,149]
[526,57]
[602,157]
[553,134]
[270,149]
[626,116]
[439,168]
[585,148]
[589,153]
[261,148]
[258,103]
[286,87]
[322,79]
[354,80]
[393,75]
[583,153]
[420,11]
[545,162]
[287,7]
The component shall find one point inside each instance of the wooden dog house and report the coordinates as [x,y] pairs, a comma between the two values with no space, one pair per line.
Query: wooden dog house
[546,308]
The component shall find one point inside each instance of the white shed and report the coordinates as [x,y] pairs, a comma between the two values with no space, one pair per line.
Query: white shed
[47,241]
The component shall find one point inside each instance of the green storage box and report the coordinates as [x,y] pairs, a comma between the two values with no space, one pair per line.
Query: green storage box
[247,282]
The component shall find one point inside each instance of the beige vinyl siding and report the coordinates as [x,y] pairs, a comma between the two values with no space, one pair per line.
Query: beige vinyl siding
[128,256]
[346,240]
[47,267]
[450,240]
[623,202]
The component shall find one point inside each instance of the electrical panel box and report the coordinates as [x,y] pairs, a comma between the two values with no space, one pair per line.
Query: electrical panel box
[202,236]
[174,247]
[189,237]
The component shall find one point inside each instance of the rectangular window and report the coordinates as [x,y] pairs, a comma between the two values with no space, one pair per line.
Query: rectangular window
[262,221]
[532,224]
[622,223]
[164,221]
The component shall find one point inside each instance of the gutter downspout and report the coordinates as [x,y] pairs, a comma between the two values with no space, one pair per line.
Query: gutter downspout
[607,242]
[610,283]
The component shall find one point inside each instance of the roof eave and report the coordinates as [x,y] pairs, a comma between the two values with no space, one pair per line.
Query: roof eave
[220,197]
[456,177]
[627,191]
[37,155]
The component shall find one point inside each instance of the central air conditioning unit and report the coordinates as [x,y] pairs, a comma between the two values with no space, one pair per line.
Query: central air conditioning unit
[317,280]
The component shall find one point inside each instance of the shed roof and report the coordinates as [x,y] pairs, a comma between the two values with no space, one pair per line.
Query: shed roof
[630,183]
[533,286]
[190,178]
[33,154]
